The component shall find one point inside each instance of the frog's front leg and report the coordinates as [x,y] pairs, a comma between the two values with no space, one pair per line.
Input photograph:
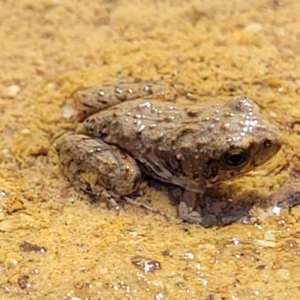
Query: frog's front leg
[96,167]
[93,99]
[187,211]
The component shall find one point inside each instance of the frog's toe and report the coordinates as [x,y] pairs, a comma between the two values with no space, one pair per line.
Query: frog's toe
[186,214]
[113,204]
[193,218]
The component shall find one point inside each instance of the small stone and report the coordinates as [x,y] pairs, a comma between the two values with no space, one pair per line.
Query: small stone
[51,86]
[68,111]
[4,151]
[145,264]
[23,282]
[12,91]
[253,27]
[25,131]
[283,275]
[167,252]
[273,114]
[28,247]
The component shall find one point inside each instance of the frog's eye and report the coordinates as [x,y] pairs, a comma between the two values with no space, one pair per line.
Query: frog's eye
[234,157]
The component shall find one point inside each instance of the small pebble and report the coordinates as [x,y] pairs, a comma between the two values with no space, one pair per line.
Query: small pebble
[68,111]
[270,235]
[189,255]
[145,264]
[273,114]
[4,151]
[51,85]
[283,274]
[167,252]
[253,27]
[27,247]
[12,91]
[25,131]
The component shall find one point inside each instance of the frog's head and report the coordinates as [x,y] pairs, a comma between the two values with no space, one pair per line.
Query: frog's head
[242,140]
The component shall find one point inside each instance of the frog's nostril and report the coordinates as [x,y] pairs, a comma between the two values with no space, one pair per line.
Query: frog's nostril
[267,143]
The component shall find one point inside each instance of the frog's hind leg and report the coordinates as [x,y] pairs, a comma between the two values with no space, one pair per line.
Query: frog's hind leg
[101,170]
[93,166]
[97,98]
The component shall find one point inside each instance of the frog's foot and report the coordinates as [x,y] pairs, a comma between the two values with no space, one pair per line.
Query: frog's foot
[187,204]
[186,207]
[112,200]
[286,197]
[112,203]
[116,202]
[187,214]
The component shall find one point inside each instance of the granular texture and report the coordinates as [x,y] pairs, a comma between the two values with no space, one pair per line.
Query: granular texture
[57,243]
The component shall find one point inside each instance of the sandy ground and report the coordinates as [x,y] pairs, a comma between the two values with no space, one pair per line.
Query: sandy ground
[55,243]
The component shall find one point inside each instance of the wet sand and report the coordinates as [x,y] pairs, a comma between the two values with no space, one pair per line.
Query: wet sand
[58,244]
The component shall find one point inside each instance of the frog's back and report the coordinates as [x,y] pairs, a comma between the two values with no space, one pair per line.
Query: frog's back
[139,124]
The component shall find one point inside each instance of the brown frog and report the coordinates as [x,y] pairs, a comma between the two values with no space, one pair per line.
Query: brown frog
[130,129]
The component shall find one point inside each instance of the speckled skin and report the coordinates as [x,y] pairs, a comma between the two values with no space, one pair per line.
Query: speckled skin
[188,146]
[92,165]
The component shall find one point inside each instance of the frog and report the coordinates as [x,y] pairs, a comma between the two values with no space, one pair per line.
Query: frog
[130,130]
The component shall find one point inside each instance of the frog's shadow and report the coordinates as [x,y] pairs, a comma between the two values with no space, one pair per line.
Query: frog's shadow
[217,209]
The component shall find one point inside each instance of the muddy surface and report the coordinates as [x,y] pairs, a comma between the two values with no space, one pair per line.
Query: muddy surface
[56,243]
